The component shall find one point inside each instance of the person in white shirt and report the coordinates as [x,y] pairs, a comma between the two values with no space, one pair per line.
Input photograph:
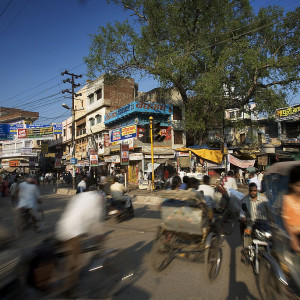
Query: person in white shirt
[14,192]
[208,191]
[81,187]
[229,182]
[117,191]
[83,215]
[253,178]
[29,196]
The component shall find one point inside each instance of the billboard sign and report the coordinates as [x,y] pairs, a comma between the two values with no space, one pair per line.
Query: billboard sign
[138,107]
[124,154]
[57,128]
[93,160]
[5,132]
[38,133]
[288,113]
[123,133]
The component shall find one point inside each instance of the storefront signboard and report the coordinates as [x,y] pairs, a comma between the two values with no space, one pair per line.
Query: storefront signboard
[124,154]
[93,160]
[123,133]
[138,107]
[5,132]
[136,156]
[288,113]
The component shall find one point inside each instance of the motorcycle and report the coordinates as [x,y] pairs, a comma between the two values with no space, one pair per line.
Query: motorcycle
[256,242]
[120,210]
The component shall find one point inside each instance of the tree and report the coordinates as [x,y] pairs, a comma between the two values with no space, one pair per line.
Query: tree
[217,53]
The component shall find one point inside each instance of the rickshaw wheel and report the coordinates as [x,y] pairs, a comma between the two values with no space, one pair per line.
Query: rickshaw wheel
[161,254]
[269,285]
[213,259]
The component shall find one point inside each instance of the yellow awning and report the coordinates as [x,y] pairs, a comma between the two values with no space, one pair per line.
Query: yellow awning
[215,156]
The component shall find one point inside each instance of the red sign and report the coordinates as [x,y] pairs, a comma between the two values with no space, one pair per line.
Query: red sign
[106,140]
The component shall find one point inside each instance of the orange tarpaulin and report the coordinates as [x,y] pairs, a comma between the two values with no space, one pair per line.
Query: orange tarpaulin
[215,156]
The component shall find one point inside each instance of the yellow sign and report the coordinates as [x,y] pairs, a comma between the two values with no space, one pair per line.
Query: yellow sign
[49,155]
[287,112]
[44,148]
[128,130]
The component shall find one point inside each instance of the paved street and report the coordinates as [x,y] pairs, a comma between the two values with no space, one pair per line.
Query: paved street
[181,280]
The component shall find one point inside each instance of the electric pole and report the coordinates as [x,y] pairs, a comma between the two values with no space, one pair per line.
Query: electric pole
[152,152]
[72,92]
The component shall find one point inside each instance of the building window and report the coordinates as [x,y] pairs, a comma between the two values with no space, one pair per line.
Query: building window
[27,144]
[242,138]
[91,98]
[99,94]
[178,137]
[177,113]
[92,122]
[240,114]
[64,132]
[232,115]
[98,119]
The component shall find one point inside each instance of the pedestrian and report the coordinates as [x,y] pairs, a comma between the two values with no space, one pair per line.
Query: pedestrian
[14,192]
[4,187]
[253,179]
[229,182]
[149,181]
[185,183]
[82,185]
[241,173]
[208,191]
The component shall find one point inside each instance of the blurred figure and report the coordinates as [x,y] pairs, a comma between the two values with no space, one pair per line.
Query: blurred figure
[253,179]
[229,182]
[185,183]
[14,192]
[208,191]
[291,209]
[260,177]
[29,196]
[176,183]
[149,181]
[81,187]
[83,215]
[4,187]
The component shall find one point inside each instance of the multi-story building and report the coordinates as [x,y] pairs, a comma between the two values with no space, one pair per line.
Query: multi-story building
[128,125]
[97,99]
[14,153]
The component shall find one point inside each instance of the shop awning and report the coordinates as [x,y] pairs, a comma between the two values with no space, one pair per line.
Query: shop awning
[10,169]
[215,156]
[241,163]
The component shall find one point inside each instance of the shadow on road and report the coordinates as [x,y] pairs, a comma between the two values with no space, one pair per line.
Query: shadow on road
[146,212]
[237,290]
[134,257]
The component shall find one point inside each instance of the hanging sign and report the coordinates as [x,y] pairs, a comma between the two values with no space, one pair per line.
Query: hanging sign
[93,160]
[124,154]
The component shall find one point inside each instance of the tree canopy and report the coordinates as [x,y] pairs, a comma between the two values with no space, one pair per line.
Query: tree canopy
[218,54]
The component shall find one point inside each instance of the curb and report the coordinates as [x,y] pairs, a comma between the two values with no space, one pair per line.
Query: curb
[154,200]
[64,191]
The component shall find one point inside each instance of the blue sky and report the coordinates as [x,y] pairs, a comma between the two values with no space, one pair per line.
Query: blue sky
[41,38]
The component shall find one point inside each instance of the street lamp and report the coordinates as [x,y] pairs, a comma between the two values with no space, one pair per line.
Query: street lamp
[64,105]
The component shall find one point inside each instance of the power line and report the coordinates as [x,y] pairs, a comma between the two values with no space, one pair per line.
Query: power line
[22,8]
[6,7]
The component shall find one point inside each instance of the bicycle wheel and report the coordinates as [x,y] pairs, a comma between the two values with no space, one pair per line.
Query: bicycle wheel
[213,259]
[161,254]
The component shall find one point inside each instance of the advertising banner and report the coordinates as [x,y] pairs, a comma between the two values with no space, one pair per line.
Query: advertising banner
[124,154]
[57,128]
[93,160]
[240,163]
[42,133]
[5,132]
[123,133]
[14,163]
[57,163]
[14,128]
[286,113]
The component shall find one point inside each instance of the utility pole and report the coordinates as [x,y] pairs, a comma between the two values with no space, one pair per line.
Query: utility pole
[72,92]
[152,152]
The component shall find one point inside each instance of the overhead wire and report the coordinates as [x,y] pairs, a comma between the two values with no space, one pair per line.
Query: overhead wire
[6,7]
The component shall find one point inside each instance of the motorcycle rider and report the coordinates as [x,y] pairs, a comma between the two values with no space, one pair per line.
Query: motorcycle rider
[255,206]
[83,215]
[118,190]
[29,196]
[82,185]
